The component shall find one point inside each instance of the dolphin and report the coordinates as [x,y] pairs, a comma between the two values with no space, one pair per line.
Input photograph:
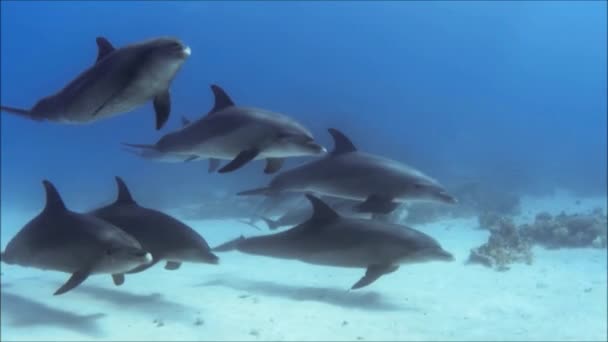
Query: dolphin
[380,183]
[333,240]
[162,235]
[120,80]
[239,134]
[62,240]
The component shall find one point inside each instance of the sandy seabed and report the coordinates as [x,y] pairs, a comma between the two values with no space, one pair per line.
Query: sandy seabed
[561,296]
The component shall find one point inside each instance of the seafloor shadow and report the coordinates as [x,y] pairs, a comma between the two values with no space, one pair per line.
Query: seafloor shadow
[24,312]
[152,304]
[365,300]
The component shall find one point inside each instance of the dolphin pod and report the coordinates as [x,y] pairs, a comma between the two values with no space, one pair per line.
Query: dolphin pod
[62,240]
[125,237]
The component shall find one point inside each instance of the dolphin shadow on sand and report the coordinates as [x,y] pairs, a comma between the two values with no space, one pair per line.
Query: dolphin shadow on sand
[148,304]
[22,312]
[369,300]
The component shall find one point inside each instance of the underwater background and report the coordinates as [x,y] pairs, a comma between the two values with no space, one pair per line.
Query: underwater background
[511,95]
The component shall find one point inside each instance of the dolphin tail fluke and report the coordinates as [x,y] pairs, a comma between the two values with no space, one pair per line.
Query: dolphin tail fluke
[258,191]
[144,146]
[272,225]
[228,246]
[132,150]
[21,112]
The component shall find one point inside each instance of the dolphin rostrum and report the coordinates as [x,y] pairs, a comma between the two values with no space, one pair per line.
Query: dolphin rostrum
[120,80]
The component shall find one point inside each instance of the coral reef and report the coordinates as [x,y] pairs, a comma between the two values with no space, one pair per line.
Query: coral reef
[505,246]
[508,243]
[563,230]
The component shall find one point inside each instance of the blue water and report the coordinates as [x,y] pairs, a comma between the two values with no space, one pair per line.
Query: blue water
[512,93]
[512,90]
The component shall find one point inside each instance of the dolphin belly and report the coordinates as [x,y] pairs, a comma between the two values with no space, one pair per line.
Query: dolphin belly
[66,260]
[358,257]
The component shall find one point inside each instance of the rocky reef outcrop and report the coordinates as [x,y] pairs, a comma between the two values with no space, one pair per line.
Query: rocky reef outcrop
[568,230]
[509,243]
[504,246]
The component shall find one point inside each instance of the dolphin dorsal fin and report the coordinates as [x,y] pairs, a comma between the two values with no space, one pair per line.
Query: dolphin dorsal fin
[341,142]
[185,121]
[222,100]
[320,209]
[104,47]
[53,199]
[124,195]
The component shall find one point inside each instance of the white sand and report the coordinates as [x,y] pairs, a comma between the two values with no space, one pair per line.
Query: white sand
[257,298]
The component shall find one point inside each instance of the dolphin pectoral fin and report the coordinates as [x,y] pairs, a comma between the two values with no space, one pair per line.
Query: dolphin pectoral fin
[228,246]
[76,279]
[191,158]
[172,265]
[372,274]
[214,164]
[243,158]
[258,191]
[377,204]
[273,165]
[118,279]
[162,107]
[142,268]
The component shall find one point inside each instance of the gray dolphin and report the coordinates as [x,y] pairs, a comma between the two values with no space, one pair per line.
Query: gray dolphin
[120,80]
[379,182]
[162,235]
[239,134]
[62,240]
[332,240]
